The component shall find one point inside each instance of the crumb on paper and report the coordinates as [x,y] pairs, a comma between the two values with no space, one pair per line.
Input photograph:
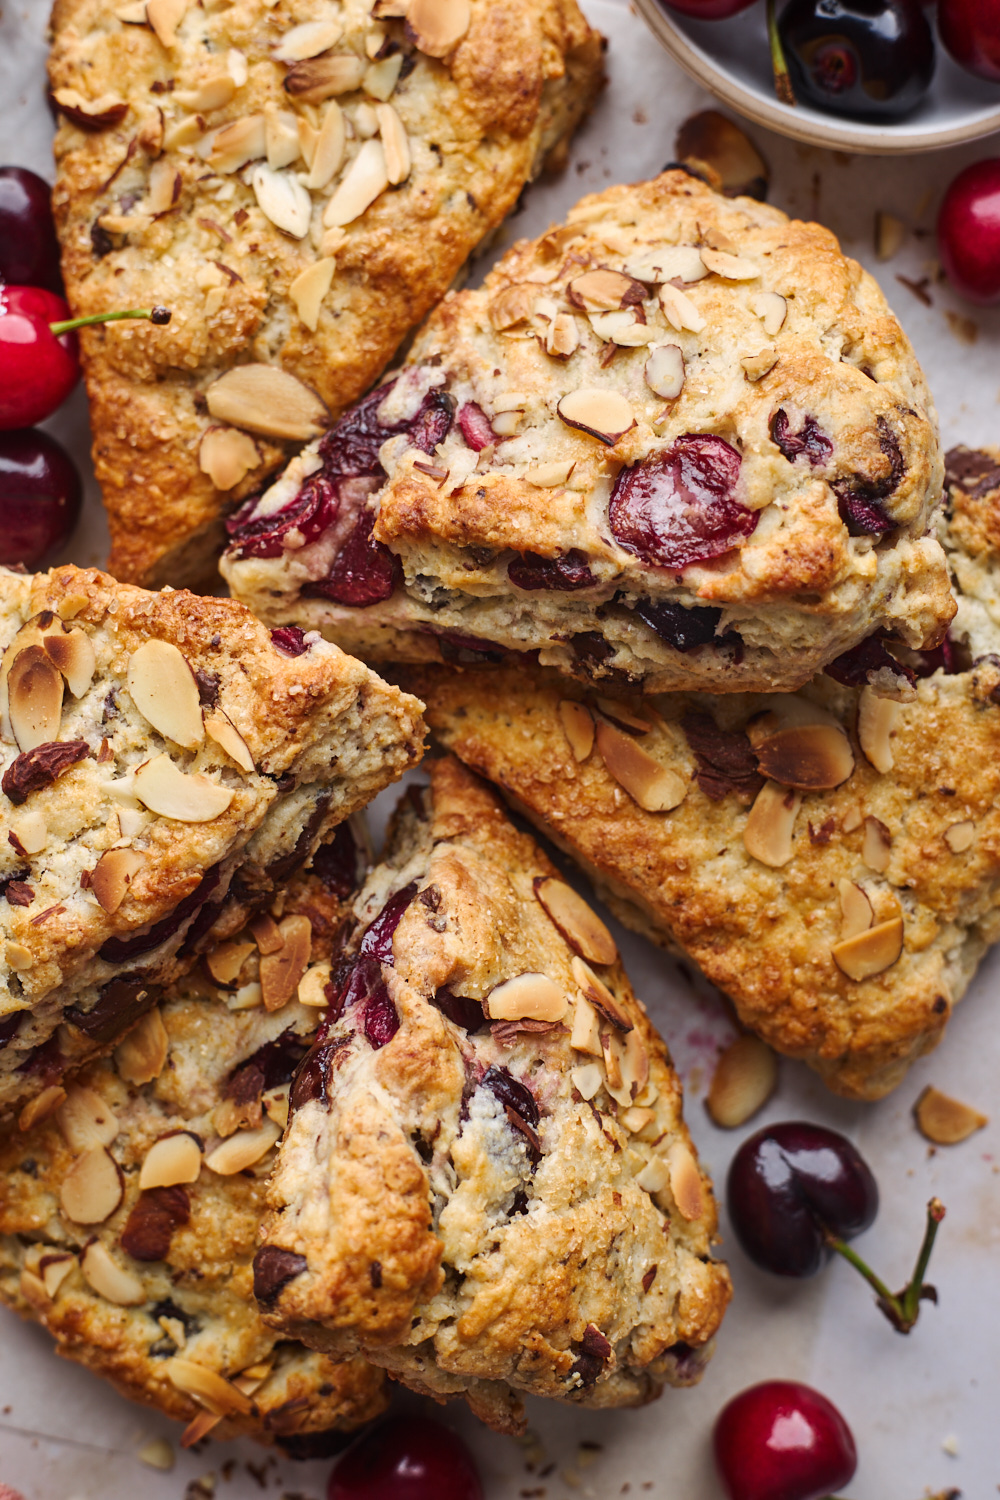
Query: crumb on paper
[950,1445]
[964,329]
[157,1454]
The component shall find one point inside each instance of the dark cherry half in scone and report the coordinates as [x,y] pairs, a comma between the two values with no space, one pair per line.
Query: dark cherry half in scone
[486,1185]
[678,442]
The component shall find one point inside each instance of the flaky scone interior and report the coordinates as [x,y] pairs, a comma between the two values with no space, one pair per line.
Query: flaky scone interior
[165,765]
[486,1185]
[679,441]
[129,1218]
[830,858]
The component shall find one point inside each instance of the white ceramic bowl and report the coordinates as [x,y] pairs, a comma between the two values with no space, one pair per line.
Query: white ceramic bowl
[731,59]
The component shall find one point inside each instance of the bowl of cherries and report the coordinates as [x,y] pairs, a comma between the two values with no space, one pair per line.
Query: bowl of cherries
[879,76]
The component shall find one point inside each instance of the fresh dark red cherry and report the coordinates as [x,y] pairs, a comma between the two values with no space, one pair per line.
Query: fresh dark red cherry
[407,1458]
[709,10]
[869,59]
[29,250]
[679,507]
[968,232]
[40,496]
[970,30]
[782,1440]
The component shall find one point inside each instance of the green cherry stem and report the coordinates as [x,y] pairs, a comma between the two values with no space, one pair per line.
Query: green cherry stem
[158,315]
[901,1308]
[782,80]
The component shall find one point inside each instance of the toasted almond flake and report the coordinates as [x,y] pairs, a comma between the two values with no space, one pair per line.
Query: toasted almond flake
[275,1102]
[31,830]
[183,132]
[578,726]
[600,997]
[551,475]
[685,1181]
[876,721]
[212,93]
[731,267]
[745,1077]
[437,26]
[72,652]
[220,728]
[85,1120]
[394,143]
[309,288]
[164,690]
[679,311]
[654,1176]
[44,1104]
[92,1188]
[135,223]
[328,149]
[532,997]
[613,1050]
[18,957]
[269,401]
[238,67]
[506,423]
[247,997]
[225,960]
[113,874]
[280,972]
[91,114]
[770,825]
[890,233]
[582,928]
[170,792]
[856,910]
[109,1278]
[171,1160]
[157,1455]
[563,336]
[132,14]
[267,934]
[586,1080]
[35,694]
[227,456]
[634,1064]
[381,78]
[243,1150]
[604,414]
[756,366]
[960,836]
[235,145]
[141,1057]
[635,1119]
[213,1390]
[812,757]
[944,1120]
[602,291]
[852,819]
[670,263]
[622,715]
[282,138]
[201,1425]
[586,1032]
[165,16]
[871,952]
[282,199]
[876,846]
[655,787]
[771,309]
[308,136]
[312,986]
[366,177]
[664,371]
[307,40]
[322,78]
[53,1270]
[622,328]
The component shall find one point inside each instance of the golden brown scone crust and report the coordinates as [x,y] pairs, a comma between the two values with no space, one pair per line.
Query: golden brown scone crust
[480,125]
[323,732]
[411,1217]
[196,1302]
[824,422]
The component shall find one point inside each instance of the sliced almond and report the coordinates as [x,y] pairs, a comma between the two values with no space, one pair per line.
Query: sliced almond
[91,114]
[600,997]
[281,136]
[578,726]
[307,40]
[715,147]
[113,874]
[53,1270]
[164,690]
[745,1077]
[280,972]
[225,960]
[944,1120]
[48,1101]
[551,475]
[227,456]
[513,305]
[170,792]
[324,77]
[770,825]
[235,145]
[158,1454]
[586,1033]
[604,291]
[614,1082]
[532,997]
[109,1278]
[183,132]
[756,366]
[876,722]
[239,68]
[394,143]
[85,1120]
[133,13]
[267,933]
[437,26]
[365,179]
[620,714]
[960,836]
[669,263]
[381,78]
[654,1176]
[665,371]
[267,400]
[72,651]
[771,309]
[634,1064]
[730,267]
[171,1160]
[92,1188]
[282,199]
[604,414]
[32,831]
[890,233]
[327,151]
[685,1181]
[679,311]
[18,958]
[563,336]
[856,910]
[35,695]
[582,928]
[871,952]
[636,1120]
[214,1391]
[142,1055]
[313,986]
[211,93]
[876,845]
[812,757]
[243,1150]
[165,16]
[220,728]
[586,1080]
[655,787]
[276,1106]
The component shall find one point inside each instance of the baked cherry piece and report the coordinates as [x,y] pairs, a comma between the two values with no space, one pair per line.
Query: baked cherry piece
[679,507]
[968,232]
[40,497]
[970,30]
[29,250]
[782,1440]
[870,59]
[407,1458]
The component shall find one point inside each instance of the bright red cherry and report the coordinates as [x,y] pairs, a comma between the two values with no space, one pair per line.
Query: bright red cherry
[781,1440]
[970,30]
[968,231]
[40,497]
[709,10]
[29,250]
[38,368]
[408,1458]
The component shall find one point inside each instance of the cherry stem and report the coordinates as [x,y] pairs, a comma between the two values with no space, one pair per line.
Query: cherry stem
[158,315]
[901,1308]
[782,80]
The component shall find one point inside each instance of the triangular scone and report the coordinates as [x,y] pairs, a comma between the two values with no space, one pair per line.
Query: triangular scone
[845,919]
[680,442]
[299,185]
[490,1208]
[129,1236]
[165,765]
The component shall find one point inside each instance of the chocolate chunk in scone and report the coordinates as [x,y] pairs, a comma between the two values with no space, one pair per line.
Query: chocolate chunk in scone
[298,185]
[486,1185]
[678,442]
[129,1218]
[165,766]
